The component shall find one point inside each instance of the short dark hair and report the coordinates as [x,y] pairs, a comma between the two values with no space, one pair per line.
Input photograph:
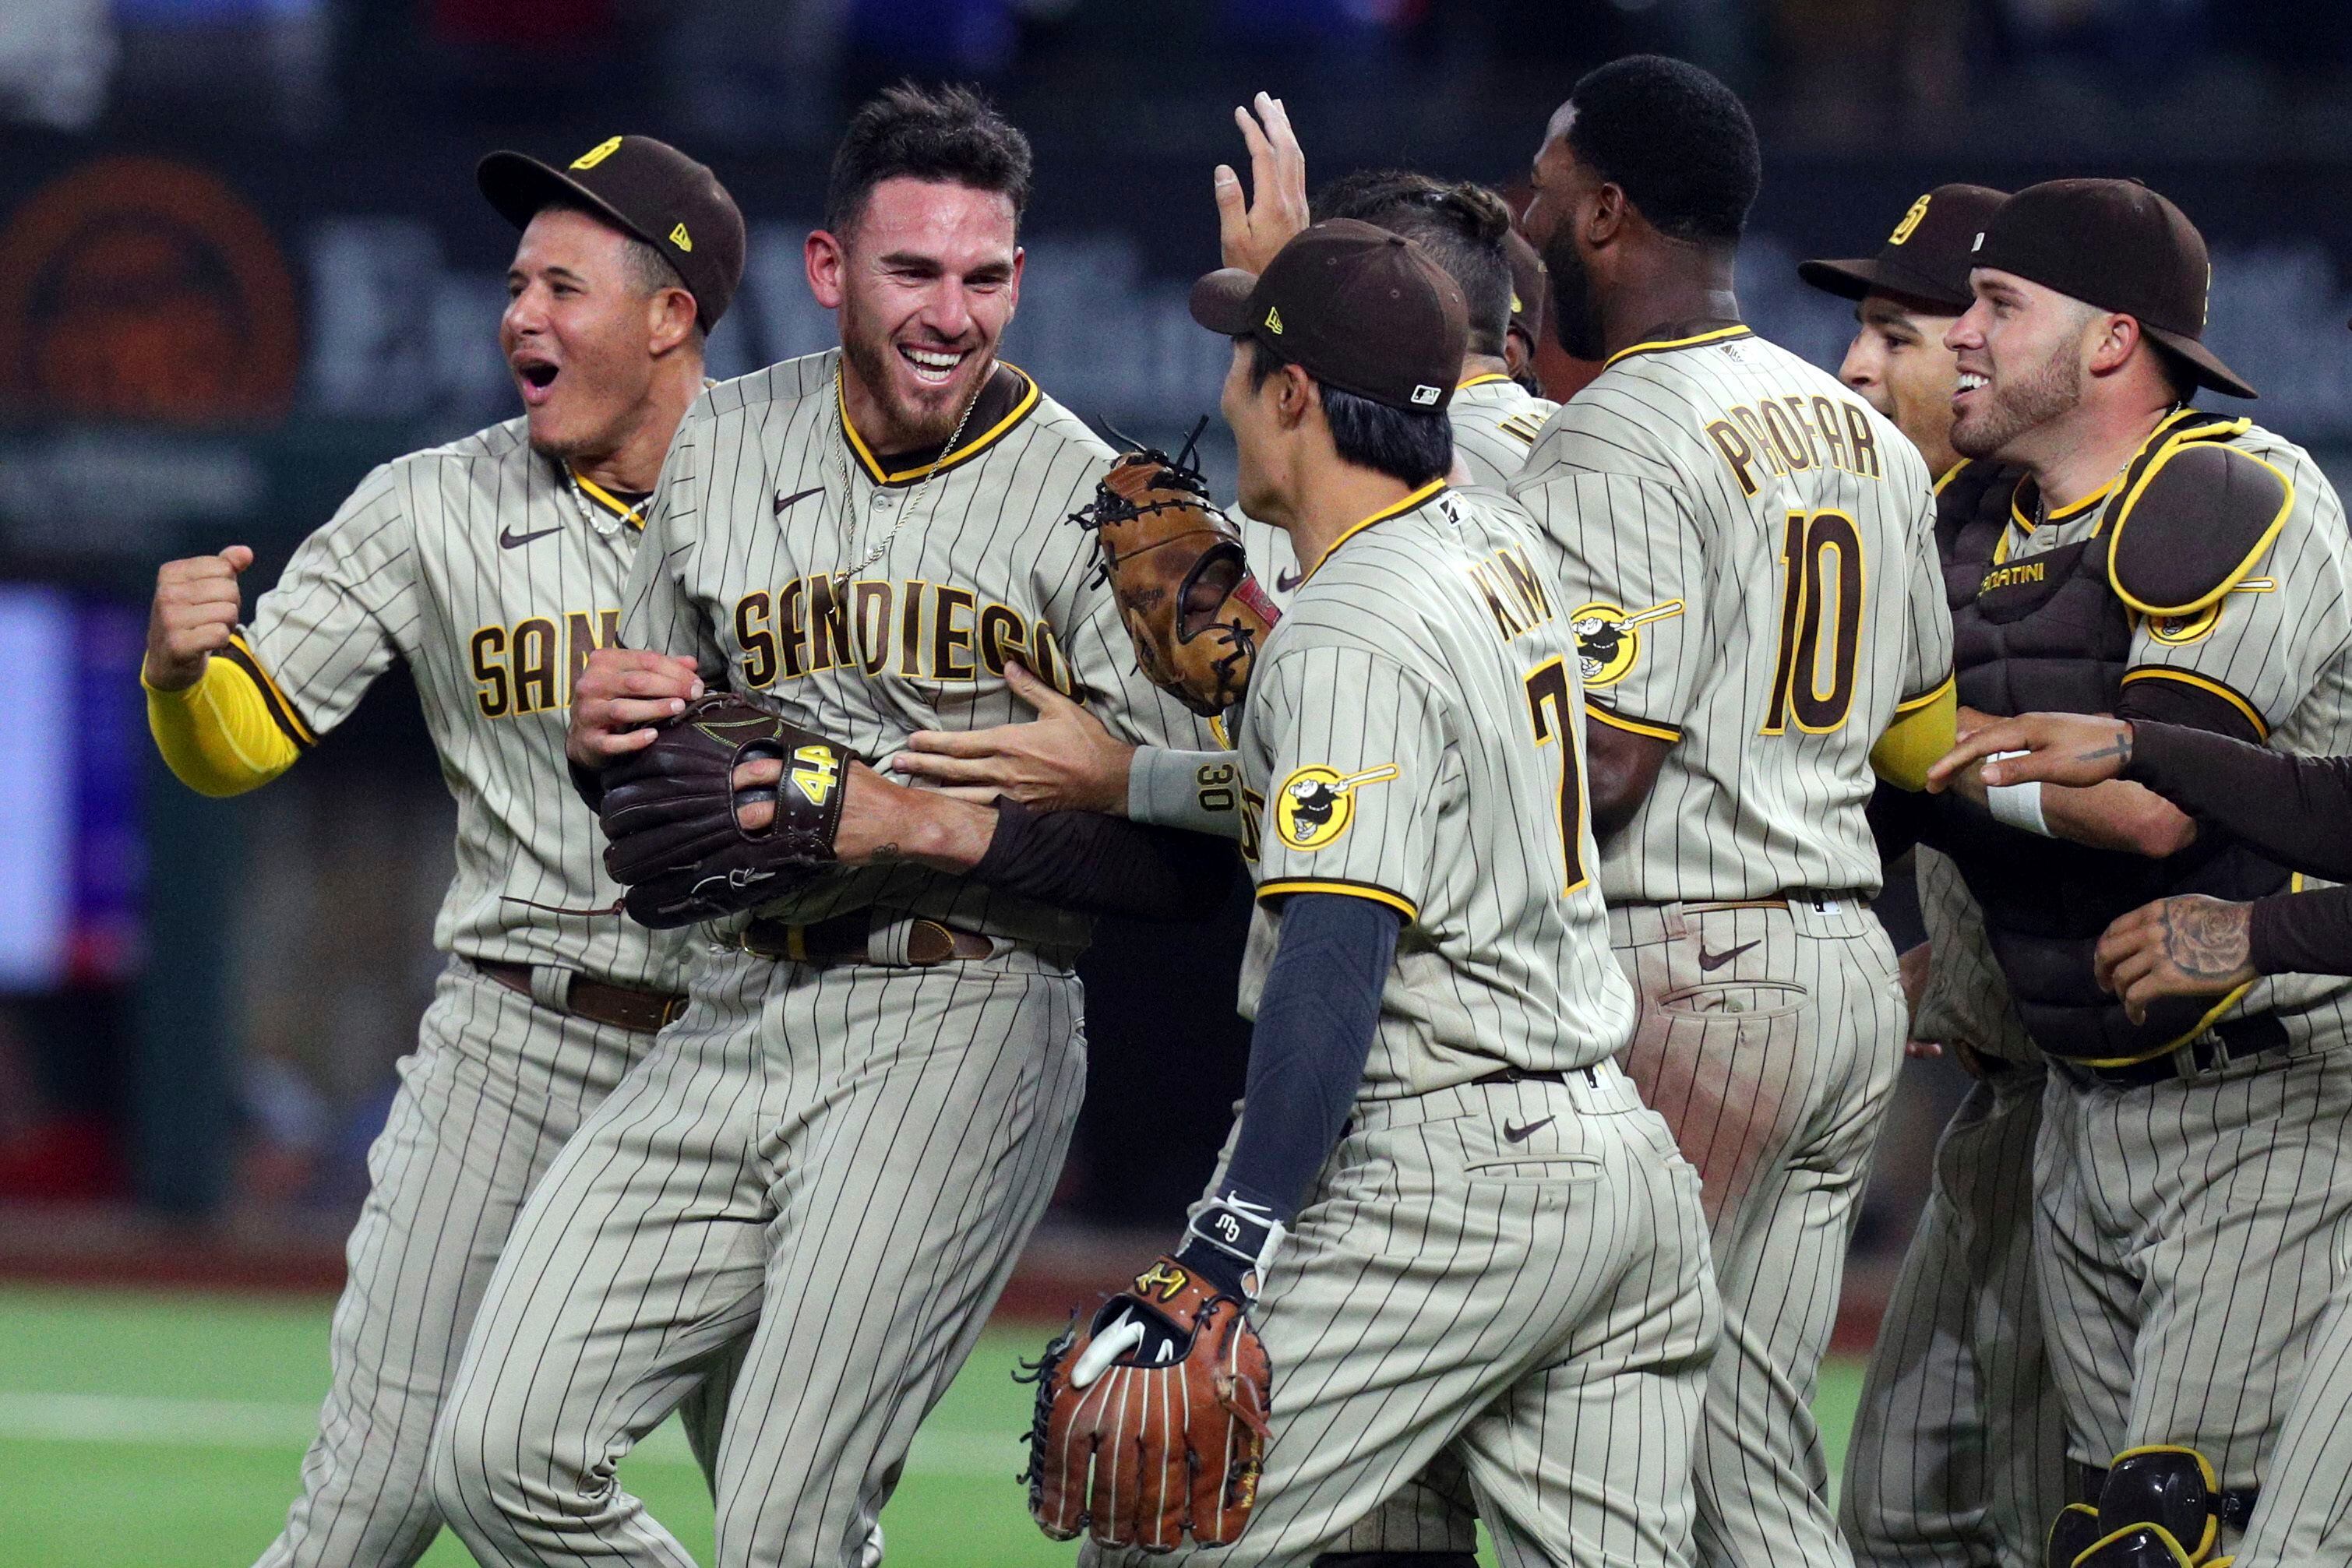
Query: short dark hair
[649,270]
[1403,444]
[950,135]
[1460,226]
[1673,138]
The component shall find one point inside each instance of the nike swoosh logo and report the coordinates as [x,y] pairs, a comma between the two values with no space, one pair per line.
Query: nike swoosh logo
[1521,1135]
[509,539]
[784,500]
[1712,961]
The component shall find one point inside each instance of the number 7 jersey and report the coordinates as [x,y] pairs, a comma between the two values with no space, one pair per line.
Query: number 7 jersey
[1409,738]
[1747,555]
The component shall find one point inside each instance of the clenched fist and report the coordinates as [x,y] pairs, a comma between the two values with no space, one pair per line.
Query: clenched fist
[197,602]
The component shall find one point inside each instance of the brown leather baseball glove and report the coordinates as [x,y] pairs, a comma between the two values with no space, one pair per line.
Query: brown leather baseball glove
[1151,1425]
[1184,589]
[670,813]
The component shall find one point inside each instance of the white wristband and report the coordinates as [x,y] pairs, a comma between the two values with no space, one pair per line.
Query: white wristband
[2018,805]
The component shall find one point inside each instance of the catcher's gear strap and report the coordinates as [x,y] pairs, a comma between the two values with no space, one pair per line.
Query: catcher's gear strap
[1104,865]
[2194,516]
[2140,1546]
[1923,729]
[220,736]
[1199,791]
[1314,1032]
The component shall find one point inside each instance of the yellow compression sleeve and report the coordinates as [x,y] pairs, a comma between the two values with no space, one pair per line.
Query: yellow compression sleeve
[1923,730]
[218,736]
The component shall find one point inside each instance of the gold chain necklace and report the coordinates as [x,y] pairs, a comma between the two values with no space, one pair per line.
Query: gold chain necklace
[849,525]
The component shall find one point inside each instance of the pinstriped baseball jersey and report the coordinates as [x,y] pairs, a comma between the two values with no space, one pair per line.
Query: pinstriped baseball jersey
[1494,423]
[1966,996]
[1748,551]
[1411,735]
[757,563]
[2277,647]
[493,576]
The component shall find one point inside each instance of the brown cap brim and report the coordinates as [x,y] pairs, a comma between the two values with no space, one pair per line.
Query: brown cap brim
[1856,278]
[2211,370]
[1221,301]
[519,186]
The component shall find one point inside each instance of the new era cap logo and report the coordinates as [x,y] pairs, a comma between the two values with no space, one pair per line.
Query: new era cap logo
[596,155]
[1425,395]
[1274,320]
[1980,245]
[677,238]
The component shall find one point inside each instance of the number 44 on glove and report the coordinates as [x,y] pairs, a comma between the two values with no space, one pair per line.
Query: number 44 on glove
[1152,1424]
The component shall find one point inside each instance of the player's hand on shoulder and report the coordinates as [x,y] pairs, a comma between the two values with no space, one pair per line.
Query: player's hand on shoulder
[1253,224]
[2190,945]
[1064,760]
[2068,748]
[621,695]
[196,610]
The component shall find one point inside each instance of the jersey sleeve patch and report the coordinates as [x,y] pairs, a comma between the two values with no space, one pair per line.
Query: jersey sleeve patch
[1316,802]
[2192,525]
[1609,638]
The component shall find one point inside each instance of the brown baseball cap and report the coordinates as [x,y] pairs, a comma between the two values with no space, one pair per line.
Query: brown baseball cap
[2117,246]
[1530,288]
[1354,306]
[1926,257]
[647,189]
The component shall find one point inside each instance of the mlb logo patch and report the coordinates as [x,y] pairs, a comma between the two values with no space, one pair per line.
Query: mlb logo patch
[1425,395]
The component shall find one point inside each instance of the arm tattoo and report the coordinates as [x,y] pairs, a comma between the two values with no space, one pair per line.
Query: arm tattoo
[2120,747]
[2203,941]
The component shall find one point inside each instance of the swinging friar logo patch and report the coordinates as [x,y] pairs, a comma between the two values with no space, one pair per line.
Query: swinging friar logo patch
[1317,803]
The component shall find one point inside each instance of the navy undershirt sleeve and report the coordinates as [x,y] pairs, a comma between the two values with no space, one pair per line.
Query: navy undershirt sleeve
[1314,1032]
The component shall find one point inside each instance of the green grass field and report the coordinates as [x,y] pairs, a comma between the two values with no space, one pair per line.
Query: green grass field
[166,1431]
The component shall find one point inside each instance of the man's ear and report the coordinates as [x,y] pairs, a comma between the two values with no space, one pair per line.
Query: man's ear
[670,315]
[2113,339]
[1609,216]
[1295,396]
[827,261]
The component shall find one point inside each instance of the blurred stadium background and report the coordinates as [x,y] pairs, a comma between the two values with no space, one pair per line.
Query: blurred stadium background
[242,260]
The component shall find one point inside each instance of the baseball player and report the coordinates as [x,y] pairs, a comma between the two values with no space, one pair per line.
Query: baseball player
[1465,228]
[2149,559]
[1500,1257]
[1958,1452]
[492,567]
[829,1163]
[2294,810]
[1069,761]
[1747,551]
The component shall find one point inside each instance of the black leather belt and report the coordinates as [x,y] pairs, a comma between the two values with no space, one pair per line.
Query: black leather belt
[599,1001]
[2233,1040]
[1522,1075]
[906,942]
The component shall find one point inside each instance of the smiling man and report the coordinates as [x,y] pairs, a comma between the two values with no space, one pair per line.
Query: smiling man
[491,567]
[2135,556]
[829,1164]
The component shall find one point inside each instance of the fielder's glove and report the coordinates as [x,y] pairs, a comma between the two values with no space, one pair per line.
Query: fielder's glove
[1175,564]
[1151,1425]
[670,813]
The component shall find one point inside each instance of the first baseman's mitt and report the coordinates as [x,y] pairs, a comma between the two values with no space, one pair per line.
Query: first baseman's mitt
[669,812]
[1164,1397]
[1175,564]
